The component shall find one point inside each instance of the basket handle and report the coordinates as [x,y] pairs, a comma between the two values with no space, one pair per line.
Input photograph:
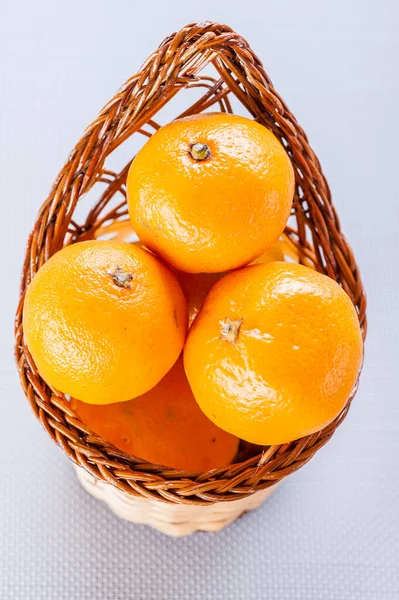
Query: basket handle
[172,67]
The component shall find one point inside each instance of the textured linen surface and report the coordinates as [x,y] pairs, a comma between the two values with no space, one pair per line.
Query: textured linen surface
[330,532]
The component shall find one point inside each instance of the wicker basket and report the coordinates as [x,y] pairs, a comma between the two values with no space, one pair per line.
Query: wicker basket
[179,502]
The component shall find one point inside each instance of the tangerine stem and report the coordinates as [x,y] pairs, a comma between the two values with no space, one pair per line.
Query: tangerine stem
[230,329]
[121,279]
[200,151]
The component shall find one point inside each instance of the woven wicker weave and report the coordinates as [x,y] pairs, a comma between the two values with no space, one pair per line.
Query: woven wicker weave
[314,232]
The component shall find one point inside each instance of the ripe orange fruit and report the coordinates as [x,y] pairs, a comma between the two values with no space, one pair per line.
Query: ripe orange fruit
[210,192]
[196,286]
[104,321]
[164,426]
[274,352]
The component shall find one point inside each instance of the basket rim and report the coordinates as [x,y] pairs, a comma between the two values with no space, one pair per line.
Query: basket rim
[172,67]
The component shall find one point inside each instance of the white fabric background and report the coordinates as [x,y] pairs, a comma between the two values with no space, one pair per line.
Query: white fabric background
[331,531]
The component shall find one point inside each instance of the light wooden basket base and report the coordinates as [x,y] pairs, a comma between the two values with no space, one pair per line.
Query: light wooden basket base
[173,519]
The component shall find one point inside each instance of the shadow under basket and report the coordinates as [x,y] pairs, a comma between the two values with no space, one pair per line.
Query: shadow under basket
[178,502]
